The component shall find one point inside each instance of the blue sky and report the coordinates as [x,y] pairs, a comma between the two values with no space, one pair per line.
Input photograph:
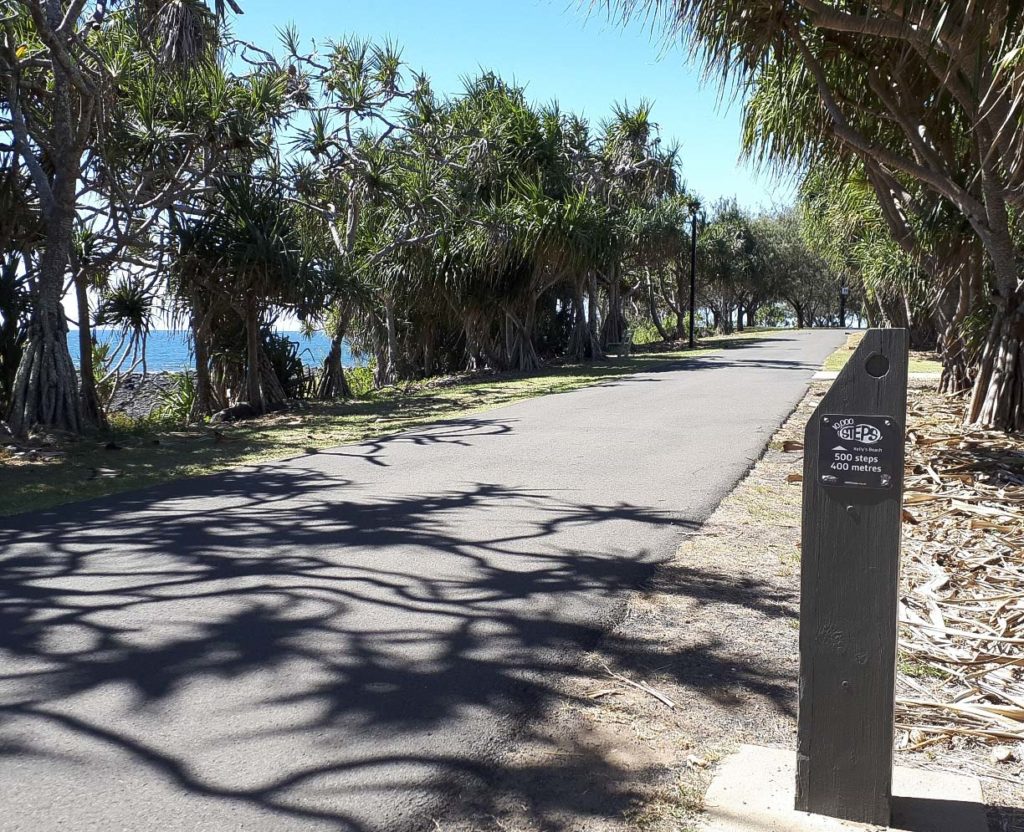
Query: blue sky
[557,49]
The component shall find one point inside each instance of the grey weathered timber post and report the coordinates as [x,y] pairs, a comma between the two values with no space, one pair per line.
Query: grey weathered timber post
[853,492]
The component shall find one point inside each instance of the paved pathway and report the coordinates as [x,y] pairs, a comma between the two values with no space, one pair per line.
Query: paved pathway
[345,640]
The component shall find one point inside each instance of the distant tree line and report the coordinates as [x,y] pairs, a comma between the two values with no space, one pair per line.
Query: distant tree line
[903,120]
[758,269]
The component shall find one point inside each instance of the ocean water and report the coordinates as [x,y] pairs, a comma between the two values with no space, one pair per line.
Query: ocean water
[168,349]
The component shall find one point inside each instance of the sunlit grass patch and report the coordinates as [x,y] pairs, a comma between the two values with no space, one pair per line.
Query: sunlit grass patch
[920,362]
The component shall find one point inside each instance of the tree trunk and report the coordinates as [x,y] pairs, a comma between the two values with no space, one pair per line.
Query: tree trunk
[894,311]
[88,399]
[613,329]
[46,385]
[682,290]
[428,351]
[652,306]
[12,332]
[203,404]
[739,318]
[477,355]
[273,393]
[592,312]
[390,373]
[798,310]
[253,390]
[333,383]
[583,343]
[724,320]
[522,355]
[953,305]
[956,369]
[382,372]
[871,309]
[997,401]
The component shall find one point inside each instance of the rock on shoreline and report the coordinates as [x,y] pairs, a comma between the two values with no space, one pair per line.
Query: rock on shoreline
[138,395]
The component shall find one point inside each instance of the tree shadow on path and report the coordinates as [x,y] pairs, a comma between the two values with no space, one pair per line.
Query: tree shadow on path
[307,654]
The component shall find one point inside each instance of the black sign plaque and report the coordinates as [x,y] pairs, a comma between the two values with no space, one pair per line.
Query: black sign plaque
[859,451]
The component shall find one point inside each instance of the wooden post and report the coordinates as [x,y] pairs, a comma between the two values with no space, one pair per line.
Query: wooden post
[852,509]
[693,276]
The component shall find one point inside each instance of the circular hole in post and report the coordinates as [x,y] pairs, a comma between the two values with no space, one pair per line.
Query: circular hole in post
[877,365]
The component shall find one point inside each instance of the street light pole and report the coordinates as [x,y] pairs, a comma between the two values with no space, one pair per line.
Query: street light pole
[693,272]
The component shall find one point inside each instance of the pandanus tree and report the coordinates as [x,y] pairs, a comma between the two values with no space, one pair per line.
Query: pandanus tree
[795,272]
[334,293]
[842,220]
[363,127]
[52,89]
[658,246]
[460,227]
[925,96]
[106,113]
[175,127]
[350,108]
[475,208]
[507,185]
[507,212]
[728,253]
[246,254]
[658,256]
[530,244]
[635,173]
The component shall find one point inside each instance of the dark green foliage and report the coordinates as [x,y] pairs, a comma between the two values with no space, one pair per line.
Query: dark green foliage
[177,403]
[126,305]
[285,361]
[903,119]
[14,299]
[361,381]
[102,364]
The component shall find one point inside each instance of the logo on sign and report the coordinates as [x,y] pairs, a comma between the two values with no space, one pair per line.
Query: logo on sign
[850,430]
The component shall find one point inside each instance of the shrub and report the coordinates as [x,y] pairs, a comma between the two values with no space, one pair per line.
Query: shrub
[360,381]
[284,358]
[102,357]
[178,400]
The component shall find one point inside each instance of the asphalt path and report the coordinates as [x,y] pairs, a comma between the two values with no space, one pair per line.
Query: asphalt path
[348,640]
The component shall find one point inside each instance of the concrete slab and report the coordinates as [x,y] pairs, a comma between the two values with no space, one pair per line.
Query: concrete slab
[753,792]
